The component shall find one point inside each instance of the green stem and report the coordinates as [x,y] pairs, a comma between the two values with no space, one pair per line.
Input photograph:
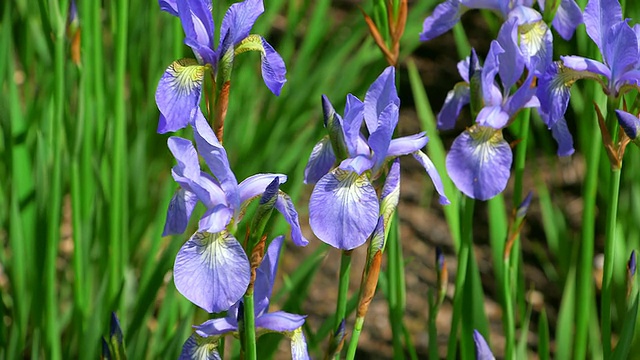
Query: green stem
[353,344]
[343,289]
[249,328]
[466,244]
[395,273]
[509,322]
[433,331]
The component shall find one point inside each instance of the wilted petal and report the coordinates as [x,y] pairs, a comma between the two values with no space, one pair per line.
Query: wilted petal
[493,116]
[180,208]
[298,345]
[629,123]
[237,23]
[381,93]
[198,348]
[479,162]
[561,134]
[212,271]
[567,18]
[424,160]
[266,275]
[285,206]
[280,321]
[599,17]
[256,184]
[444,17]
[455,100]
[178,94]
[343,209]
[483,352]
[216,327]
[407,144]
[320,162]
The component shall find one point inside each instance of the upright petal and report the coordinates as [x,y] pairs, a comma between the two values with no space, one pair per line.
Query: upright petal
[620,52]
[280,321]
[567,18]
[334,124]
[266,275]
[453,103]
[343,209]
[380,139]
[237,23]
[444,17]
[483,352]
[187,157]
[479,162]
[320,161]
[352,122]
[212,271]
[511,61]
[197,22]
[599,17]
[561,134]
[199,348]
[180,208]
[390,194]
[427,164]
[380,94]
[285,206]
[489,71]
[178,94]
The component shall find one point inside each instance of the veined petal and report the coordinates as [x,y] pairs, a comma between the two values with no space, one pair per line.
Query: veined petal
[215,219]
[216,158]
[357,164]
[407,144]
[212,271]
[489,71]
[424,160]
[197,22]
[198,348]
[184,152]
[298,345]
[180,208]
[567,18]
[381,93]
[479,162]
[380,139]
[455,100]
[353,117]
[390,194]
[561,134]
[280,321]
[320,162]
[620,51]
[237,23]
[444,17]
[483,352]
[343,209]
[599,17]
[554,91]
[536,41]
[522,97]
[273,68]
[492,116]
[629,123]
[511,60]
[256,184]
[217,327]
[266,275]
[178,94]
[285,206]
[579,63]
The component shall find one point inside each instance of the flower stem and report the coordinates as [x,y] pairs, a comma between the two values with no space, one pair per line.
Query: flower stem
[249,328]
[353,343]
[343,289]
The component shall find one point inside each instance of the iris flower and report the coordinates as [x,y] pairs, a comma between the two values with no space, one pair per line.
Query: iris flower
[483,352]
[619,71]
[203,343]
[180,88]
[534,37]
[344,206]
[211,268]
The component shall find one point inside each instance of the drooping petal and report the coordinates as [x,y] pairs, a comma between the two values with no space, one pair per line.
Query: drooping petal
[216,158]
[298,345]
[407,144]
[444,17]
[266,275]
[256,184]
[629,123]
[381,93]
[169,6]
[186,155]
[280,321]
[197,22]
[483,352]
[554,91]
[620,51]
[561,134]
[212,271]
[273,68]
[178,94]
[198,348]
[599,17]
[343,209]
[427,164]
[567,18]
[180,208]
[237,23]
[380,139]
[320,162]
[453,103]
[216,327]
[285,206]
[479,162]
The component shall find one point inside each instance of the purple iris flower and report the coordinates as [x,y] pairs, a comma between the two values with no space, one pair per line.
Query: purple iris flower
[205,340]
[630,124]
[180,88]
[619,71]
[211,268]
[483,352]
[344,206]
[534,37]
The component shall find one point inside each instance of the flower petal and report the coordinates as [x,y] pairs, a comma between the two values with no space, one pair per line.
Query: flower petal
[178,94]
[357,164]
[522,97]
[629,123]
[343,209]
[266,275]
[198,348]
[298,345]
[483,352]
[215,219]
[237,23]
[492,116]
[579,63]
[620,51]
[197,22]
[212,271]
[554,91]
[424,160]
[599,17]
[273,68]
[390,193]
[455,100]
[256,184]
[511,60]
[353,117]
[380,139]
[381,93]
[444,17]
[169,6]
[180,208]
[479,162]
[187,157]
[567,18]
[407,144]
[561,134]
[217,327]
[320,162]
[285,206]
[280,321]
[489,71]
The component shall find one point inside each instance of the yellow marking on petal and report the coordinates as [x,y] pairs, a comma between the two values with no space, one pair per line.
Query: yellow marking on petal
[532,37]
[187,75]
[350,185]
[250,43]
[486,140]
